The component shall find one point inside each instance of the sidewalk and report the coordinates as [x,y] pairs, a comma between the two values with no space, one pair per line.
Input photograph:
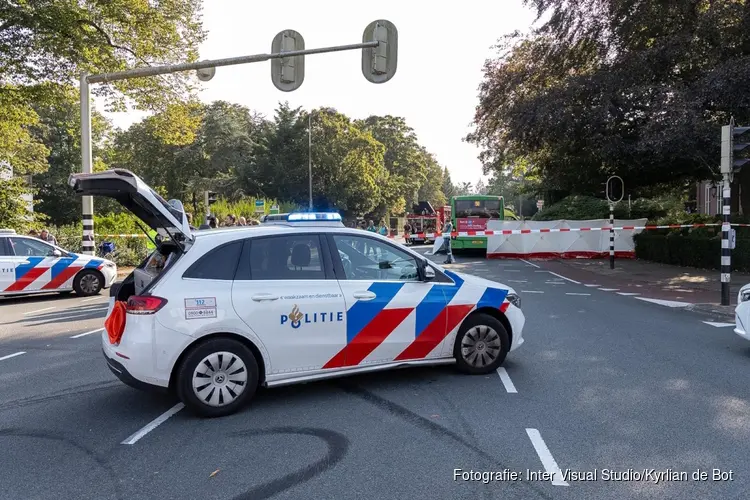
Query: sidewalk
[699,288]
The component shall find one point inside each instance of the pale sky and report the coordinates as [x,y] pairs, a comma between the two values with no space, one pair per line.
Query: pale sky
[440,56]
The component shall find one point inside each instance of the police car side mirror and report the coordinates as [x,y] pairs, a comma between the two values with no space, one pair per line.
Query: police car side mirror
[56,253]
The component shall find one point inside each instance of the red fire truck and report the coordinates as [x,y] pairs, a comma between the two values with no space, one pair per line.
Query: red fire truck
[426,221]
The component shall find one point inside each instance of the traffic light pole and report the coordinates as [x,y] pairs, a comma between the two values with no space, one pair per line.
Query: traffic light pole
[726,251]
[371,46]
[611,235]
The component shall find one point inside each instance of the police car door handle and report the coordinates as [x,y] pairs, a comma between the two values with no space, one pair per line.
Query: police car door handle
[264,296]
[366,295]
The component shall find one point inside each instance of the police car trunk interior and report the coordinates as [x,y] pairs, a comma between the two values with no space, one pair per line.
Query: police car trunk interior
[147,273]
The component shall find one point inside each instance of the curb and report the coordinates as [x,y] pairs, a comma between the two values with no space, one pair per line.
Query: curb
[714,310]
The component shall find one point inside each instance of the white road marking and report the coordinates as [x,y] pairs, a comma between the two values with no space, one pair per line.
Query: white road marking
[718,324]
[507,382]
[512,270]
[554,282]
[668,303]
[541,271]
[531,291]
[153,424]
[38,310]
[628,294]
[609,289]
[517,281]
[12,355]
[546,457]
[586,294]
[529,263]
[592,285]
[563,277]
[87,333]
[90,299]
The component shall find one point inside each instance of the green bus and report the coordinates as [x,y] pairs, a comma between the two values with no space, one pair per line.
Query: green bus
[471,213]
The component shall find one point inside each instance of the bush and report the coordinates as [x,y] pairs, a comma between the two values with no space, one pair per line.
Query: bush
[690,250]
[588,207]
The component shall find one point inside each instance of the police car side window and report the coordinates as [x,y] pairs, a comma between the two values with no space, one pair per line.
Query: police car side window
[293,257]
[218,264]
[369,259]
[26,247]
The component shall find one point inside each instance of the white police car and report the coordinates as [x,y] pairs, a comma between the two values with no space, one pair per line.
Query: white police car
[213,314]
[29,265]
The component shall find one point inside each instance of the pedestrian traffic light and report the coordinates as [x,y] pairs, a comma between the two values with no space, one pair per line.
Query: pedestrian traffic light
[735,148]
[287,73]
[379,63]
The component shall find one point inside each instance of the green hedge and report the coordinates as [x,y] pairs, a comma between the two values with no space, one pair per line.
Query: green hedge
[588,207]
[690,250]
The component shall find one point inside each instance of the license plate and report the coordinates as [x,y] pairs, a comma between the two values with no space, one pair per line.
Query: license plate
[477,242]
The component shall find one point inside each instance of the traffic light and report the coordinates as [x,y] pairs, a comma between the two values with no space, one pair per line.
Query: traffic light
[211,198]
[379,63]
[288,73]
[735,148]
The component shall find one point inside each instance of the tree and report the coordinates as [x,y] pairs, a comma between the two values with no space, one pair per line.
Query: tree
[464,188]
[45,45]
[348,165]
[480,187]
[14,212]
[448,188]
[59,130]
[616,87]
[405,160]
[432,188]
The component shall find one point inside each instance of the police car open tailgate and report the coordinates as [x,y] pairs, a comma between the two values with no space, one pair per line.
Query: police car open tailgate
[135,195]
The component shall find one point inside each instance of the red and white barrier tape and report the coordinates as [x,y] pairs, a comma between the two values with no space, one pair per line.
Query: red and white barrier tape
[510,231]
[565,230]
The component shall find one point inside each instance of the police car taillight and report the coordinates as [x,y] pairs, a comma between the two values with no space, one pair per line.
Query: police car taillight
[144,304]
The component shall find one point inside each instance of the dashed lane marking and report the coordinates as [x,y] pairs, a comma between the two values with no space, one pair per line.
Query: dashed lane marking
[507,382]
[592,285]
[548,461]
[531,291]
[87,333]
[153,424]
[563,277]
[39,310]
[12,355]
[586,294]
[609,289]
[529,263]
[628,294]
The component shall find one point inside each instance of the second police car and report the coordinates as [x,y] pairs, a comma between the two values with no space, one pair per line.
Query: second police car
[213,314]
[29,265]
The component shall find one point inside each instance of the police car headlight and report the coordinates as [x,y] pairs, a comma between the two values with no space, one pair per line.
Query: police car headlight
[744,295]
[111,265]
[514,299]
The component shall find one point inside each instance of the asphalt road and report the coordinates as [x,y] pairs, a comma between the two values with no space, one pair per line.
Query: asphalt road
[604,382]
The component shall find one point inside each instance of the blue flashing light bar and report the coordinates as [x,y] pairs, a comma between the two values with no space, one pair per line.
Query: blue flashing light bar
[314,216]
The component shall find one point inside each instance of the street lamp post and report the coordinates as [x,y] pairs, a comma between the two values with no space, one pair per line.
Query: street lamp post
[309,156]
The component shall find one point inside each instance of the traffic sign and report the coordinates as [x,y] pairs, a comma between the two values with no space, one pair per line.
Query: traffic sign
[274,209]
[260,206]
[539,204]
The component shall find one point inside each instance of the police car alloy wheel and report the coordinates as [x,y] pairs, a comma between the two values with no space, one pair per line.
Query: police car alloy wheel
[88,282]
[217,377]
[481,344]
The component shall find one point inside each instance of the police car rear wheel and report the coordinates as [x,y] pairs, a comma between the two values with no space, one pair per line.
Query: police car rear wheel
[88,282]
[217,377]
[481,344]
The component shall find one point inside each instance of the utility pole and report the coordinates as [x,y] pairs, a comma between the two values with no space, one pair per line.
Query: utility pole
[379,63]
[309,155]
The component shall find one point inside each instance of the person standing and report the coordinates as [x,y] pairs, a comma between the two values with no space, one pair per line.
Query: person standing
[447,230]
[407,233]
[45,236]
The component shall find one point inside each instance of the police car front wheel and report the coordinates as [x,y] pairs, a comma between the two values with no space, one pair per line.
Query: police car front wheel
[88,282]
[481,344]
[217,377]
